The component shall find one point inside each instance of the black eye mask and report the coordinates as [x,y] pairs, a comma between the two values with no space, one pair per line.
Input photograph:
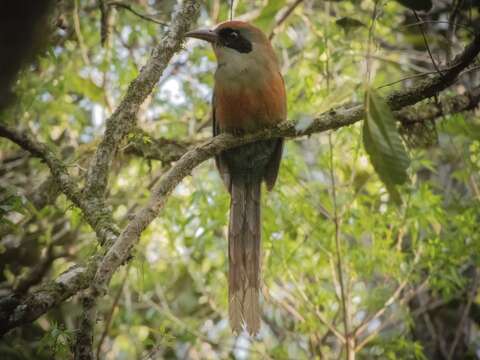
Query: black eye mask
[233,39]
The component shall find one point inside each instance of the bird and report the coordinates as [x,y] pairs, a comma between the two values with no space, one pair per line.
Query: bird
[249,95]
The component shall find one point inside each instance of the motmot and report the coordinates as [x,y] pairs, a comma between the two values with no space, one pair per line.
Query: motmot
[249,95]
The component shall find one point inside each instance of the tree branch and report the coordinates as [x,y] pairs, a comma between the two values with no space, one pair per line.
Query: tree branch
[431,87]
[331,120]
[166,150]
[288,11]
[121,4]
[15,312]
[394,297]
[450,105]
[124,117]
[37,149]
[349,339]
[117,127]
[97,217]
[160,149]
[460,328]
[392,319]
[84,337]
[79,278]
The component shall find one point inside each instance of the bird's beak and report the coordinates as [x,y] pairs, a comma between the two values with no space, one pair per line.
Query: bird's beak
[207,35]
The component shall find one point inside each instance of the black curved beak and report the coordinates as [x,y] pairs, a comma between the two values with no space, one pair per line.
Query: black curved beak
[207,35]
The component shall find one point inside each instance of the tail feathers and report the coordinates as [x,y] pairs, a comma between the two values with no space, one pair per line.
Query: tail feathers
[244,236]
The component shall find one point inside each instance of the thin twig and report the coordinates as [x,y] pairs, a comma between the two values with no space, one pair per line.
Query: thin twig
[466,311]
[75,278]
[369,45]
[334,119]
[33,306]
[427,46]
[465,27]
[78,32]
[106,22]
[414,76]
[285,15]
[327,49]
[392,319]
[121,4]
[37,272]
[452,27]
[394,297]
[317,312]
[290,309]
[338,249]
[97,218]
[123,119]
[164,309]
[108,321]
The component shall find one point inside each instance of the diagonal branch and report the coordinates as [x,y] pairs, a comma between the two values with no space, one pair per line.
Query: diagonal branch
[288,11]
[449,105]
[165,150]
[94,215]
[334,119]
[117,127]
[22,311]
[160,149]
[460,328]
[394,297]
[124,117]
[40,150]
[431,87]
[16,311]
[393,318]
[121,4]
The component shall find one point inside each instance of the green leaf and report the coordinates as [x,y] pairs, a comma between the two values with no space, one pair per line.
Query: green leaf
[417,5]
[384,145]
[266,19]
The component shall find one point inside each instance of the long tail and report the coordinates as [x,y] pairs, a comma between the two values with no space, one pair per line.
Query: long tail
[244,236]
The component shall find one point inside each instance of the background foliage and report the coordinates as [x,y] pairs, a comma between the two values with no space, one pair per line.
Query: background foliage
[410,266]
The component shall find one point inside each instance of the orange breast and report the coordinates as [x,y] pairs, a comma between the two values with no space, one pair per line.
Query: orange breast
[249,108]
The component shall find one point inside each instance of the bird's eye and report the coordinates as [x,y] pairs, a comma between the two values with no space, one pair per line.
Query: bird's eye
[234,35]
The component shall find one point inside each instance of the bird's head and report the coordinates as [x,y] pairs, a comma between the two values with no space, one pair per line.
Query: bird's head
[238,44]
